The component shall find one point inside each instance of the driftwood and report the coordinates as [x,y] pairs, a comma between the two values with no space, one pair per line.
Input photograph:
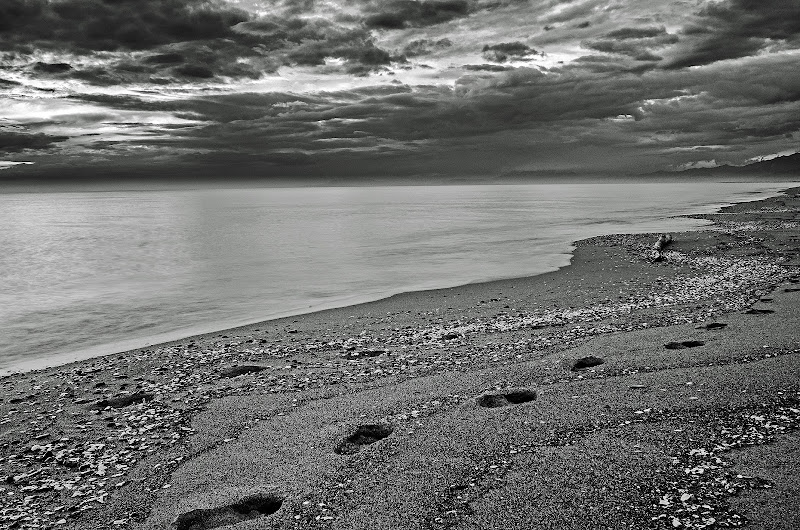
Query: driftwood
[659,246]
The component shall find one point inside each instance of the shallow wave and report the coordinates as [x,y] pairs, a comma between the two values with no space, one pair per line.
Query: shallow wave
[91,273]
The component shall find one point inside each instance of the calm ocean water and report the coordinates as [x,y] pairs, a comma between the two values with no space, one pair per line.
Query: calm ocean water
[84,274]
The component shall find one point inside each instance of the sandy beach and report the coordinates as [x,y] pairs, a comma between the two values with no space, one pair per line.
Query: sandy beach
[616,392]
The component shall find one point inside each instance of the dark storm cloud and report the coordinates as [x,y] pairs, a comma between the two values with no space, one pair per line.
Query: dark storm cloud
[739,28]
[525,96]
[274,32]
[295,41]
[477,106]
[575,102]
[419,47]
[165,58]
[194,70]
[616,96]
[571,10]
[484,112]
[14,142]
[188,40]
[636,33]
[233,107]
[609,64]
[99,76]
[637,43]
[199,63]
[357,48]
[505,51]
[398,14]
[487,68]
[114,24]
[51,68]
[518,115]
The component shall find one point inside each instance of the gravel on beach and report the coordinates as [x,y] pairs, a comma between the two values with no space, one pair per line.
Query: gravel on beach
[617,392]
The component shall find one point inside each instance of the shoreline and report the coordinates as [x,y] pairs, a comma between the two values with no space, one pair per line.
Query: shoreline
[150,438]
[170,337]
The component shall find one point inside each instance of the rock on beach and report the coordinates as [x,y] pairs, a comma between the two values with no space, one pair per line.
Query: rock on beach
[474,407]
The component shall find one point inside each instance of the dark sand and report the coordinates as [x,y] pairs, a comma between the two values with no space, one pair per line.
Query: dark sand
[456,408]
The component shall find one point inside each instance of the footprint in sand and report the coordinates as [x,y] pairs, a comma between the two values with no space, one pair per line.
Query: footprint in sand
[235,371]
[713,325]
[684,344]
[754,311]
[586,362]
[363,435]
[123,400]
[251,507]
[505,398]
[363,353]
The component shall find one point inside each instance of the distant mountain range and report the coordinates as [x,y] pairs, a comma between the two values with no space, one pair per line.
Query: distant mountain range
[779,166]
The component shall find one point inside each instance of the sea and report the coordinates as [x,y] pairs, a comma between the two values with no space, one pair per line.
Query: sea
[84,274]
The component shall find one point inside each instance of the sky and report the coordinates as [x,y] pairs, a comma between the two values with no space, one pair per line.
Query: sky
[382,89]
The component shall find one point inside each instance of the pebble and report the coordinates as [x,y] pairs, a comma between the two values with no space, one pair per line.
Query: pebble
[184,379]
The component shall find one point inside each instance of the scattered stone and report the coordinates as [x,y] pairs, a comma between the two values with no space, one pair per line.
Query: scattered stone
[702,288]
[586,362]
[702,482]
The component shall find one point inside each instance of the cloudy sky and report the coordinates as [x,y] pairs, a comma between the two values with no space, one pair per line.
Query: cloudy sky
[425,89]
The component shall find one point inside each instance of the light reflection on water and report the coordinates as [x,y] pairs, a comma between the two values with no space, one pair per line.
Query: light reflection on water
[90,273]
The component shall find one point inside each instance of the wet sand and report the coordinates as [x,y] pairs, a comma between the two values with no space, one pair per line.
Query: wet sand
[458,408]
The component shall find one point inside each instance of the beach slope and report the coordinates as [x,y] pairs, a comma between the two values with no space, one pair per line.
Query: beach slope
[617,392]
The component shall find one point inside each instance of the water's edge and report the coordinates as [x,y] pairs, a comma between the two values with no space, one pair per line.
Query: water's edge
[353,301]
